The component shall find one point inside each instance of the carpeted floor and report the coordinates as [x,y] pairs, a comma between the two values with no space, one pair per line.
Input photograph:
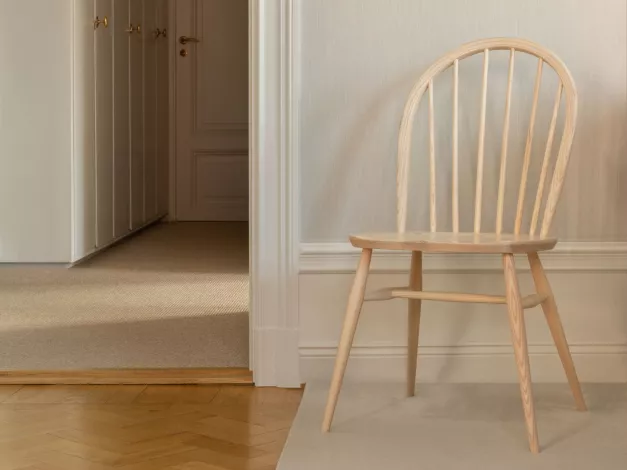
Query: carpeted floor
[469,427]
[174,296]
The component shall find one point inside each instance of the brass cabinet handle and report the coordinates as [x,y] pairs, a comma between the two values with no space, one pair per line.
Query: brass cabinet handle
[185,39]
[161,32]
[104,22]
[137,29]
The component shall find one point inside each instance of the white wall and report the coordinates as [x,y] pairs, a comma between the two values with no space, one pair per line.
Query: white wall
[35,212]
[359,61]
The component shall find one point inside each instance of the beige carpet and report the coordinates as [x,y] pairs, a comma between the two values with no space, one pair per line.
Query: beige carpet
[461,427]
[175,295]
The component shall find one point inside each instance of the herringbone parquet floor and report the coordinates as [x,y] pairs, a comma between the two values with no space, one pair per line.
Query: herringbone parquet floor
[195,427]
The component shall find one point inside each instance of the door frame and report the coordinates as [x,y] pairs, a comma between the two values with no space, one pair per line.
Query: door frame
[274,218]
[275,193]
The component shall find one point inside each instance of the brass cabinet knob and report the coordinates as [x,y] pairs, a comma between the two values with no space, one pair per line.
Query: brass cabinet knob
[134,29]
[104,22]
[161,32]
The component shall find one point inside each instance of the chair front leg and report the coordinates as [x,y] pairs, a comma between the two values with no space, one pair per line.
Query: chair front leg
[519,340]
[413,322]
[353,310]
[549,307]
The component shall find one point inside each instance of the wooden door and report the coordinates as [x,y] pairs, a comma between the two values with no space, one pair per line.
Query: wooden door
[212,110]
[150,110]
[104,122]
[163,106]
[121,121]
[137,113]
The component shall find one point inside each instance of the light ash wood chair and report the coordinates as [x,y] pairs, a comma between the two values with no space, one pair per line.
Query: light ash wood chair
[498,242]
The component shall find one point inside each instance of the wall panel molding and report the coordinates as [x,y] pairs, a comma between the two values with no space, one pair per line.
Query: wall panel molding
[567,256]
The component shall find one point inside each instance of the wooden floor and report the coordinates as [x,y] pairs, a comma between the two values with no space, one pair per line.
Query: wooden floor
[135,427]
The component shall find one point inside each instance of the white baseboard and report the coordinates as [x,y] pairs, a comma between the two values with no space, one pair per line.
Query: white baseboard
[567,256]
[464,364]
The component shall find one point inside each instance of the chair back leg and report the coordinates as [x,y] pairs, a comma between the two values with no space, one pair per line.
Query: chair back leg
[557,330]
[413,322]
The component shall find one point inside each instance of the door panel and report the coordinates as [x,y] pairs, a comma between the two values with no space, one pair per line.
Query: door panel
[163,108]
[104,124]
[121,122]
[218,182]
[150,109]
[137,114]
[212,110]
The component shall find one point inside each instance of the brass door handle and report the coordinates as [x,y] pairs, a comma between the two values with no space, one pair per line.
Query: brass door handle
[185,39]
[104,22]
[137,29]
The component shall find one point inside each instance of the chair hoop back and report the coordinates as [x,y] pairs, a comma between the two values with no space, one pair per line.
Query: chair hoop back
[565,90]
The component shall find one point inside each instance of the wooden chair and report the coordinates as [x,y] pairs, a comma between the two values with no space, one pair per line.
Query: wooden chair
[498,242]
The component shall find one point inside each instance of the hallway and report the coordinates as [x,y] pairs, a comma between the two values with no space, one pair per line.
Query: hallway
[173,296]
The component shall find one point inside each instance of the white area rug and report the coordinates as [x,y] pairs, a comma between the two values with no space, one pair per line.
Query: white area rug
[458,427]
[174,296]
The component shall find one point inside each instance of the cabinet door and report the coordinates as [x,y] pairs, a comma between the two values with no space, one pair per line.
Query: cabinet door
[84,126]
[137,114]
[104,123]
[121,121]
[150,109]
[163,107]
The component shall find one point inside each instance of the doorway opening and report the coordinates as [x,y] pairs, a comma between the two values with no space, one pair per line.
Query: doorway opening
[162,278]
[207,223]
[200,250]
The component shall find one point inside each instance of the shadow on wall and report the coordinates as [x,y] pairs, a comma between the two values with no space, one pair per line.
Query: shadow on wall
[597,187]
[341,193]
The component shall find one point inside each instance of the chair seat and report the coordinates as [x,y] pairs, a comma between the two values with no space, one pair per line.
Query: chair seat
[448,242]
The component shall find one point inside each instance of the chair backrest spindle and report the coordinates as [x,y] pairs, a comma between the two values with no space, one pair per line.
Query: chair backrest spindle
[504,145]
[481,150]
[432,190]
[566,89]
[545,162]
[455,167]
[528,146]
